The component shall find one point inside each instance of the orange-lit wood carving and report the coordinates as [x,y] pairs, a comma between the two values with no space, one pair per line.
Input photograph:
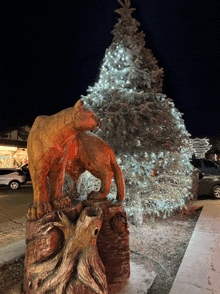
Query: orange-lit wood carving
[74,265]
[65,253]
[47,149]
[89,152]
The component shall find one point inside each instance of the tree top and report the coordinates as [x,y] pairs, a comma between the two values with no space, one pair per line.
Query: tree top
[125,7]
[127,3]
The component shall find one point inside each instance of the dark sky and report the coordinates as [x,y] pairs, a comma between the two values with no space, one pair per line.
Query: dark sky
[51,53]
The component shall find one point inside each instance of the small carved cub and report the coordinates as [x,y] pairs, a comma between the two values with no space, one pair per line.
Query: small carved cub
[89,152]
[47,149]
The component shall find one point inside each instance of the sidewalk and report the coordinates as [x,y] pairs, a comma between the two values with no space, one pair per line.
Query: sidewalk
[12,252]
[199,272]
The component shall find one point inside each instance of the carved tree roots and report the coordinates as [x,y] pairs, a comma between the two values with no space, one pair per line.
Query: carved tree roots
[64,265]
[62,255]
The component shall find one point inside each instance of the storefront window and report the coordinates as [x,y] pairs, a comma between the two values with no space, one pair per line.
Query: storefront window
[5,160]
[20,157]
[13,156]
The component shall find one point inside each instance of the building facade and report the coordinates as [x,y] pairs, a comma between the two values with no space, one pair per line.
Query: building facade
[13,147]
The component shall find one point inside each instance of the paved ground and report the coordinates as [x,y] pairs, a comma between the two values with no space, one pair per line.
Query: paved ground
[13,210]
[199,272]
[14,203]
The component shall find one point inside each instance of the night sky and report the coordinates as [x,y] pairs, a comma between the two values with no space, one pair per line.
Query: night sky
[51,53]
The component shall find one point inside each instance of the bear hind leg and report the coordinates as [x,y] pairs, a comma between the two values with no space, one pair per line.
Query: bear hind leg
[106,180]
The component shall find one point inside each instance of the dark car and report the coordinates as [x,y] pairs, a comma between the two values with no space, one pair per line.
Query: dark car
[209,177]
[26,171]
[206,166]
[209,185]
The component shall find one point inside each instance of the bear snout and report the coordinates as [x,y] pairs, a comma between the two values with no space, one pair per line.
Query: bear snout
[97,120]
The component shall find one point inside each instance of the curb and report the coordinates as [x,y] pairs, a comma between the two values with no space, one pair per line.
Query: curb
[12,252]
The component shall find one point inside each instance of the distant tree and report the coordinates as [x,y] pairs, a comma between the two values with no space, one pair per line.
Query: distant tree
[142,125]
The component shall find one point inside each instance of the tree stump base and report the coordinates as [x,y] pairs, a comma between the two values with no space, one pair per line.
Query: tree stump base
[80,249]
[113,240]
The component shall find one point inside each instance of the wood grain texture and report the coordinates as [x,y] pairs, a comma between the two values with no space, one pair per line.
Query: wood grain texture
[62,255]
[113,240]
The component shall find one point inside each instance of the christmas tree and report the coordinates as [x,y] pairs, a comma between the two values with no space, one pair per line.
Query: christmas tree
[142,125]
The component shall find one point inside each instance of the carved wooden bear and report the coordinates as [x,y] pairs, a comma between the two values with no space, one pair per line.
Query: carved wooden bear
[47,149]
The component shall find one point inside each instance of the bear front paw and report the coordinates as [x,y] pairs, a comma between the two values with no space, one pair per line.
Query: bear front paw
[61,203]
[36,211]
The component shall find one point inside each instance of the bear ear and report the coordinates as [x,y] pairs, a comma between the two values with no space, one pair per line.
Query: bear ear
[79,104]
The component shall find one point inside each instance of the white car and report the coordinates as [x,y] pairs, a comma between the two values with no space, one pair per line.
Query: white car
[12,177]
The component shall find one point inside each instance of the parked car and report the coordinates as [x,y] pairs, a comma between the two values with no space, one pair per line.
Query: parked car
[209,185]
[206,166]
[209,177]
[12,177]
[26,171]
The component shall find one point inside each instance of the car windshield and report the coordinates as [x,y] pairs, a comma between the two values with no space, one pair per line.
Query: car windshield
[20,172]
[196,163]
[209,164]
